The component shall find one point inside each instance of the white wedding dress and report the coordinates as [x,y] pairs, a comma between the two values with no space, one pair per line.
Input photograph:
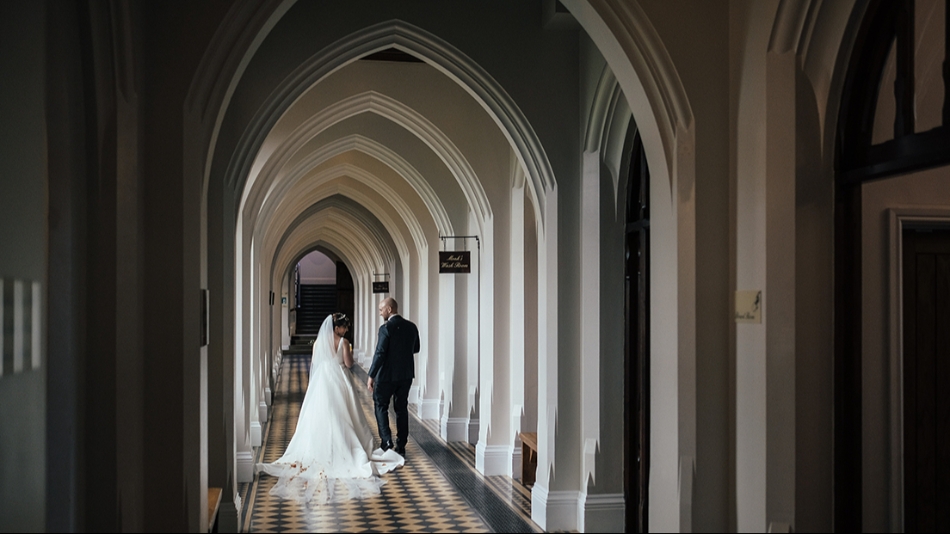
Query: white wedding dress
[330,457]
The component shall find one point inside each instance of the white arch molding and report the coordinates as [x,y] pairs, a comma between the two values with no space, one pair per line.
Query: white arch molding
[373,149]
[389,108]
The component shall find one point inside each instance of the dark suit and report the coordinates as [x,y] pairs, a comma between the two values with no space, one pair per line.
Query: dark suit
[393,369]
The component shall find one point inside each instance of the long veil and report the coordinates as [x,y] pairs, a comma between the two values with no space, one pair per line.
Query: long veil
[330,456]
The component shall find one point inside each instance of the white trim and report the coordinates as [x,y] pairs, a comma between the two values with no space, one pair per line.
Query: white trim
[554,510]
[429,409]
[601,512]
[414,397]
[897,218]
[473,430]
[245,466]
[491,460]
[268,395]
[262,411]
[256,434]
[516,462]
[454,429]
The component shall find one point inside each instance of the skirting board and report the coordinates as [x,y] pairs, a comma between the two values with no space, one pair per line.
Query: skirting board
[491,460]
[429,409]
[473,431]
[516,463]
[554,510]
[455,428]
[262,411]
[245,466]
[600,512]
[256,434]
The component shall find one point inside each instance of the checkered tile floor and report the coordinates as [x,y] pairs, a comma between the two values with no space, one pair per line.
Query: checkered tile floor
[434,492]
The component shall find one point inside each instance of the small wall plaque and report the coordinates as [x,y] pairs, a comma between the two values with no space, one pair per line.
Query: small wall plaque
[749,307]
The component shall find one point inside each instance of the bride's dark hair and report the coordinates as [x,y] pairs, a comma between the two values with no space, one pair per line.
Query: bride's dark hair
[340,319]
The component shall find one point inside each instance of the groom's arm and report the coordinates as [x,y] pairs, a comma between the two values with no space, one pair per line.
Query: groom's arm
[382,350]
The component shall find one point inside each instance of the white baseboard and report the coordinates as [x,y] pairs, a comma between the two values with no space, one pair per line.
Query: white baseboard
[414,397]
[285,347]
[554,510]
[268,396]
[245,466]
[600,512]
[429,409]
[256,434]
[516,463]
[491,460]
[262,411]
[473,431]
[455,428]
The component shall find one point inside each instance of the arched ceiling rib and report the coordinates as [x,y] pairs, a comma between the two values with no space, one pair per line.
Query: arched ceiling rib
[345,223]
[438,53]
[265,181]
[389,205]
[296,175]
[356,212]
[352,244]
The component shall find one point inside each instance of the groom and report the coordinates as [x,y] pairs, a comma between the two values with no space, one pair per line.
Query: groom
[391,374]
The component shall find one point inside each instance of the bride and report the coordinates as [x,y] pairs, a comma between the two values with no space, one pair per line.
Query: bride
[330,457]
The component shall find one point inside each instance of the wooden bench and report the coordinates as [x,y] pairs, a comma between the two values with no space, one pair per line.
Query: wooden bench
[214,502]
[529,457]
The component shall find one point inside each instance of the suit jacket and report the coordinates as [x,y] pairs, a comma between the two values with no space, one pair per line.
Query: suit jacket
[398,343]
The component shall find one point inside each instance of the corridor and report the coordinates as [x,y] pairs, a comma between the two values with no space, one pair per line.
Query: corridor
[438,490]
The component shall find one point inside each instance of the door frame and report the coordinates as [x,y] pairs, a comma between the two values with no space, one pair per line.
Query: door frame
[900,219]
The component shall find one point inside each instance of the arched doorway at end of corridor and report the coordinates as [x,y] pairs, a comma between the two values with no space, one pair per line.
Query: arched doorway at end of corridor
[321,285]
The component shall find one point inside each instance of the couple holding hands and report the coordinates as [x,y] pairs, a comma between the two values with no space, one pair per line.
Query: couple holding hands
[331,456]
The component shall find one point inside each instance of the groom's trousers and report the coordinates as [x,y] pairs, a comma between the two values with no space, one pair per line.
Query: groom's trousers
[398,391]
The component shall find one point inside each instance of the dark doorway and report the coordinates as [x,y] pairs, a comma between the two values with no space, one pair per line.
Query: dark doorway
[926,399]
[637,341]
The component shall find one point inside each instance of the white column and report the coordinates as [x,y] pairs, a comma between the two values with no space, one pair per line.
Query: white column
[495,441]
[244,456]
[252,351]
[446,337]
[455,414]
[428,359]
[516,321]
[473,331]
[420,304]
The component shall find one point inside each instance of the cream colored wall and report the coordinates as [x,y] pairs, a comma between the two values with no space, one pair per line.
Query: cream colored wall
[750,34]
[923,189]
[23,250]
[702,63]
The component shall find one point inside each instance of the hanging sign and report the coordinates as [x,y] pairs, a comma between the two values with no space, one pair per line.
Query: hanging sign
[459,261]
[381,287]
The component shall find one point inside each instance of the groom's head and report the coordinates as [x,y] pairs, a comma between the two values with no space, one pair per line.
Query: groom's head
[387,307]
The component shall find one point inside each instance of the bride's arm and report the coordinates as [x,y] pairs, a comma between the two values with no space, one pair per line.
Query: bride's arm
[347,354]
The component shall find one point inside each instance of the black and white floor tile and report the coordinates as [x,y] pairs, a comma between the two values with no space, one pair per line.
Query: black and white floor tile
[438,490]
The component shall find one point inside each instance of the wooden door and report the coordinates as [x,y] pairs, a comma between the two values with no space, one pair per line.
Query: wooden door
[926,375]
